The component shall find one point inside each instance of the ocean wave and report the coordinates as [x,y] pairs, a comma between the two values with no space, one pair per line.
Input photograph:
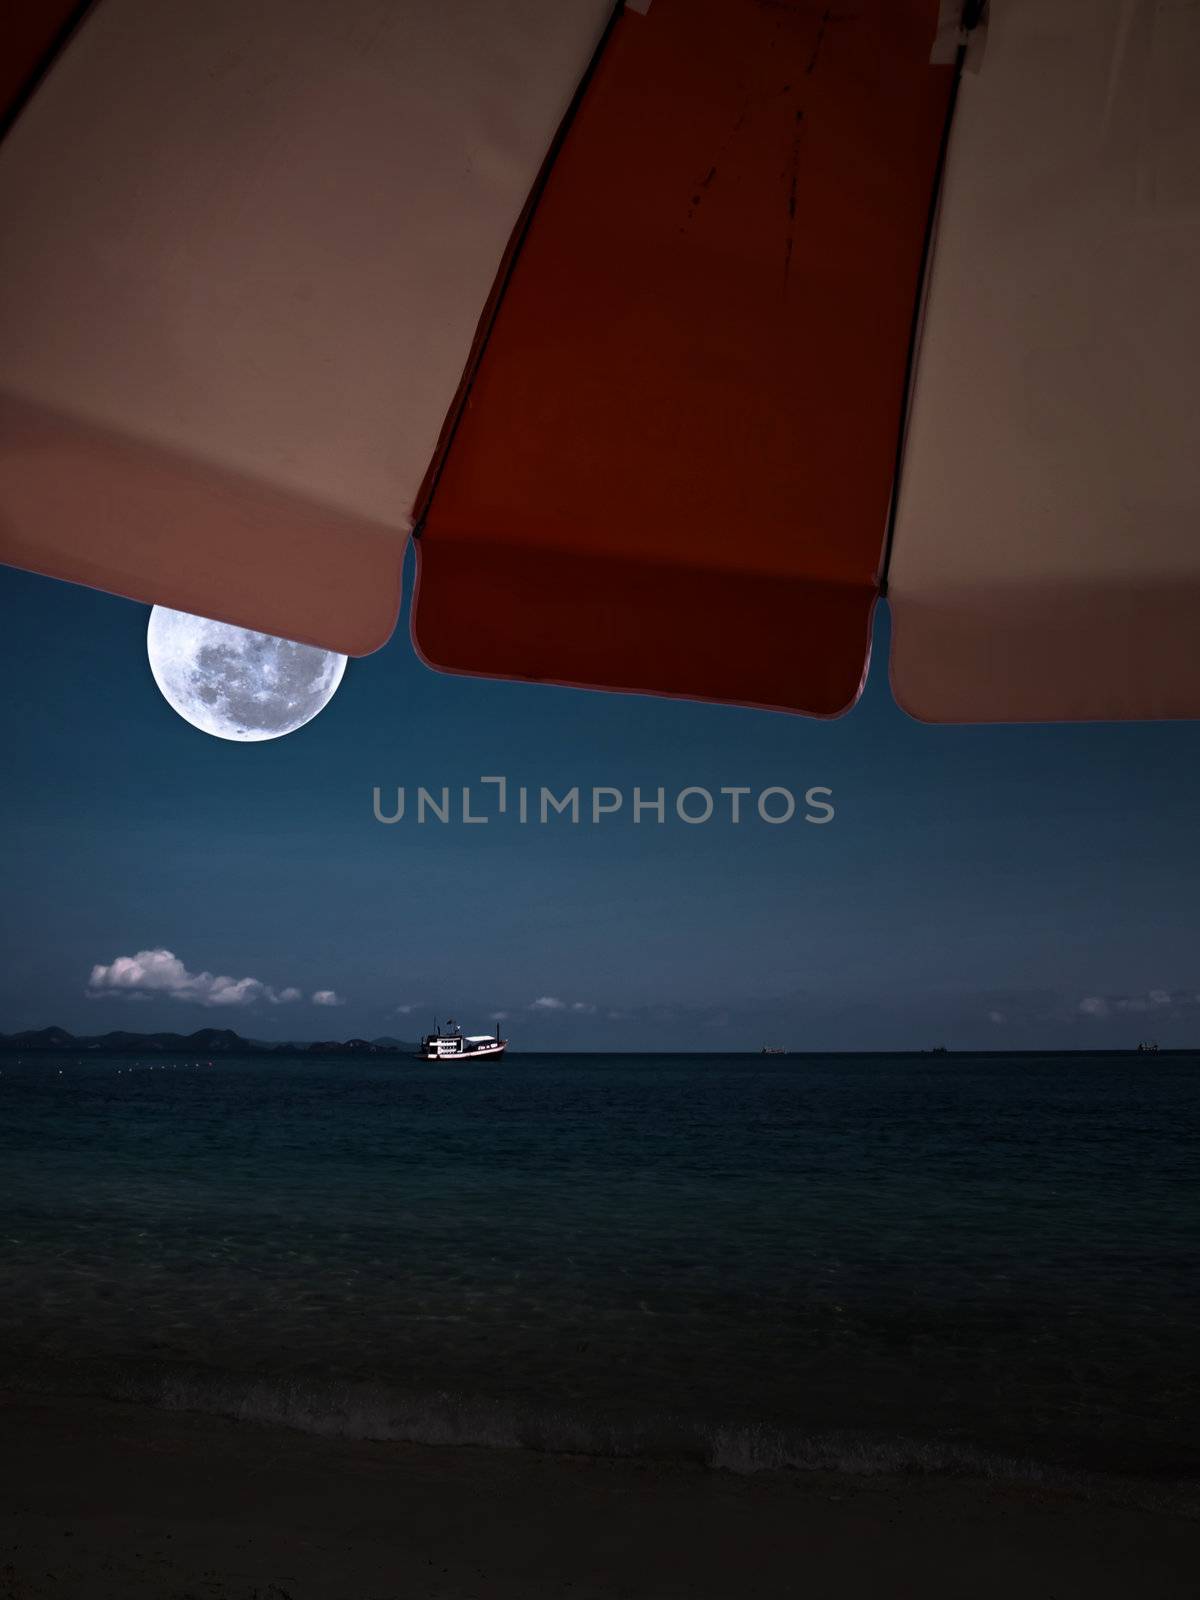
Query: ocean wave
[361,1411]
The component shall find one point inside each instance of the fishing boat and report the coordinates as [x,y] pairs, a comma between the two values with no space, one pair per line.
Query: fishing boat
[451,1044]
[773,1050]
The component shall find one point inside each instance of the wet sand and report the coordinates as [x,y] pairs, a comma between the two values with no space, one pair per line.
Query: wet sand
[102,1500]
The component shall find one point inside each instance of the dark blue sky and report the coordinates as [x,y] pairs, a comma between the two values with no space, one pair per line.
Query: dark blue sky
[992,888]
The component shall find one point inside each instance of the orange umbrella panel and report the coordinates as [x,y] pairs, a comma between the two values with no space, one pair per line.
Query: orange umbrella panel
[671,466]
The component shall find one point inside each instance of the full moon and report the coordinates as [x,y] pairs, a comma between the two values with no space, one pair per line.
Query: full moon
[236,684]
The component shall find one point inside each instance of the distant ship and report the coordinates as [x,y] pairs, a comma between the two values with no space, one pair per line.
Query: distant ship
[453,1045]
[773,1050]
[1148,1047]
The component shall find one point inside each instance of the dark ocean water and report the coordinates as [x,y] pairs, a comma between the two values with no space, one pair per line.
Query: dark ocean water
[859,1261]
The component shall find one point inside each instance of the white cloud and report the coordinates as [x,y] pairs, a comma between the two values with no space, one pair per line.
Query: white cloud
[499,1016]
[161,972]
[405,1011]
[327,997]
[1160,1001]
[997,1016]
[547,1002]
[582,1005]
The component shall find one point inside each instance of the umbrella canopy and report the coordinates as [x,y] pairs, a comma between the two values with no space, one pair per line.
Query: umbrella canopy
[620,308]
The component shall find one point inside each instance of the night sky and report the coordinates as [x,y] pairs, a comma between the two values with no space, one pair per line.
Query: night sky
[986,888]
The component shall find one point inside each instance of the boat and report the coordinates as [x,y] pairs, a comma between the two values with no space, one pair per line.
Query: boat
[773,1050]
[452,1044]
[1148,1047]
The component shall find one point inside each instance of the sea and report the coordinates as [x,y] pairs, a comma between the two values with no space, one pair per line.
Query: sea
[985,1264]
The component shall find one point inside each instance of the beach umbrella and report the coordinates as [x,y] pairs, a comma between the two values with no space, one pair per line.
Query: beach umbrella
[632,316]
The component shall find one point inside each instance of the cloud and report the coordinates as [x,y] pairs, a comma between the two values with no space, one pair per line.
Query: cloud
[405,1011]
[1161,1002]
[150,973]
[499,1016]
[327,997]
[1153,1000]
[997,1016]
[549,1004]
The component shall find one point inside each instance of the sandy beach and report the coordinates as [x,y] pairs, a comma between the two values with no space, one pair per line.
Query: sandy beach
[107,1500]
